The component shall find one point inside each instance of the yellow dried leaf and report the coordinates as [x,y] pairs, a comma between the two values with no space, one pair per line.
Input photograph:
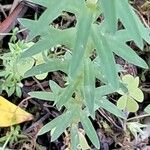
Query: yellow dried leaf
[11,114]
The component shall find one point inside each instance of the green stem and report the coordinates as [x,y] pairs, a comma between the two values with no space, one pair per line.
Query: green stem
[5,144]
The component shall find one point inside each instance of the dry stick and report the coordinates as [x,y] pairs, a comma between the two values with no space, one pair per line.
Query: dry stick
[108,118]
[141,17]
[11,20]
[26,99]
[39,84]
[138,117]
[41,120]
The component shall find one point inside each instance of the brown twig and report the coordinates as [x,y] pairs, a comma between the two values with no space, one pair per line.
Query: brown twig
[11,20]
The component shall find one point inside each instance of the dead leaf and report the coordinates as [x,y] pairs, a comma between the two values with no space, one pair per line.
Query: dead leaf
[11,114]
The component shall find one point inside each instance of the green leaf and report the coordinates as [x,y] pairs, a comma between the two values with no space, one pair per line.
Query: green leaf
[81,41]
[54,8]
[83,141]
[137,94]
[109,10]
[98,67]
[18,91]
[60,123]
[52,124]
[74,137]
[132,105]
[69,90]
[59,128]
[2,73]
[135,128]
[39,59]
[122,89]
[89,86]
[29,25]
[127,17]
[48,96]
[103,90]
[49,66]
[65,95]
[123,35]
[40,46]
[147,109]
[49,40]
[130,81]
[41,2]
[126,102]
[122,102]
[107,58]
[110,107]
[54,87]
[144,32]
[136,81]
[89,130]
[24,65]
[41,76]
[132,85]
[124,51]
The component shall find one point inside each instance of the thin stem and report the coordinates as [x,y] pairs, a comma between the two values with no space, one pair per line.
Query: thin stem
[137,117]
[38,83]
